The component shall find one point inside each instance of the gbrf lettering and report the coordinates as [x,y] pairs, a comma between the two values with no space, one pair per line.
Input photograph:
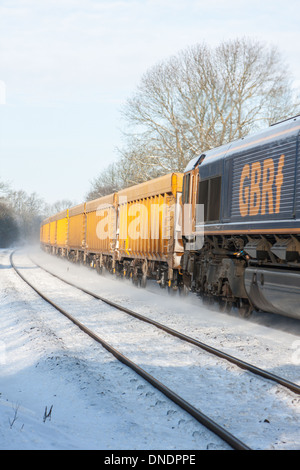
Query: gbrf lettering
[259,188]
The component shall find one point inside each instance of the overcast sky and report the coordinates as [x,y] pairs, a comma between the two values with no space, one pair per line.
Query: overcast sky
[68,65]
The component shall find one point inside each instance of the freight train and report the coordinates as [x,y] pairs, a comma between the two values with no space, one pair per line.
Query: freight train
[227,229]
[134,233]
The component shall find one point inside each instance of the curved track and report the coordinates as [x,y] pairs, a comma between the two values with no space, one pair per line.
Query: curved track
[216,352]
[226,436]
[198,415]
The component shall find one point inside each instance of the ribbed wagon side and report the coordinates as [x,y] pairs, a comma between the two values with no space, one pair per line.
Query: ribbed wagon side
[54,232]
[101,220]
[148,235]
[77,232]
[62,230]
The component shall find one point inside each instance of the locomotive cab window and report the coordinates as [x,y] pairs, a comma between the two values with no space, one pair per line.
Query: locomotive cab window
[209,194]
[186,188]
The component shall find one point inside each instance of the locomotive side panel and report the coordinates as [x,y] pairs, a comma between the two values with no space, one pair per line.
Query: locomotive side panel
[264,182]
[297,179]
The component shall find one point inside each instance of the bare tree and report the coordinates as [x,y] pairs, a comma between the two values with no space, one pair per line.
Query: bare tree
[21,214]
[61,205]
[28,211]
[4,189]
[108,182]
[202,98]
[58,206]
[9,231]
[199,99]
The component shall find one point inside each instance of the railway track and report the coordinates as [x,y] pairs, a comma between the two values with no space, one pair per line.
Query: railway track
[206,347]
[233,441]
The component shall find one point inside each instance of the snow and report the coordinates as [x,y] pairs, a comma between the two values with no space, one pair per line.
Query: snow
[99,403]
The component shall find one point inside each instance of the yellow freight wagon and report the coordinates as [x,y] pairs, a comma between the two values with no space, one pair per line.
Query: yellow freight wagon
[101,219]
[147,228]
[62,222]
[77,227]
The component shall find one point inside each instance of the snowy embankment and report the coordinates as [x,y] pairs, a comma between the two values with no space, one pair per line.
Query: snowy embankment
[98,403]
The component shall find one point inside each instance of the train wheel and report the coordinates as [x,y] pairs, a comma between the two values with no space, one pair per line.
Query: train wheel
[143,281]
[244,308]
[222,304]
[171,290]
[225,306]
[206,300]
[99,269]
[183,290]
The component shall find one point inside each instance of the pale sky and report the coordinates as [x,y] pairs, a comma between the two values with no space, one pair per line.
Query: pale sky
[67,66]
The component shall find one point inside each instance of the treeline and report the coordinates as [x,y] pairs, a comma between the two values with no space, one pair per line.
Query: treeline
[199,99]
[21,215]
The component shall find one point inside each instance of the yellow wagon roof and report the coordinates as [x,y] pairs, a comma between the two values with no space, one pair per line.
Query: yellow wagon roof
[171,183]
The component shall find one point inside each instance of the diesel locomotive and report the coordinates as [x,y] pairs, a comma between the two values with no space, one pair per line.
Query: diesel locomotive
[227,229]
[244,250]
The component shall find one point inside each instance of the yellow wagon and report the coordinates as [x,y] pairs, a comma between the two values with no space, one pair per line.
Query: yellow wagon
[149,237]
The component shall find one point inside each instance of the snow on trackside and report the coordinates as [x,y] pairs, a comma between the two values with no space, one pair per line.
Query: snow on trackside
[97,402]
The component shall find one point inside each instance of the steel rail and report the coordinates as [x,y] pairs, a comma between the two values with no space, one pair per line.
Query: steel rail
[226,436]
[216,352]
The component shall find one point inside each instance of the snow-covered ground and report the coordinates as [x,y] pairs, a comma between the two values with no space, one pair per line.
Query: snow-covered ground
[98,403]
